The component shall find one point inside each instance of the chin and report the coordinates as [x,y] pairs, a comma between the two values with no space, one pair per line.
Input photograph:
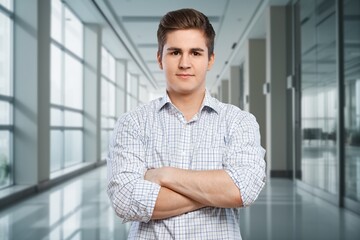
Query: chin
[185,90]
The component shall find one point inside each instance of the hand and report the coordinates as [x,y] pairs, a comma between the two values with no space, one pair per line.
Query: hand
[157,175]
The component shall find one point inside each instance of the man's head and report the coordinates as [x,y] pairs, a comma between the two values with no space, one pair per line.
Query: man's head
[185,19]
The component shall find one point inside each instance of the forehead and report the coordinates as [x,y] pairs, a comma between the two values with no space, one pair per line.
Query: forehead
[186,38]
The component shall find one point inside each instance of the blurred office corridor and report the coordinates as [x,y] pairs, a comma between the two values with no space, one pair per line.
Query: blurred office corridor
[80,209]
[70,68]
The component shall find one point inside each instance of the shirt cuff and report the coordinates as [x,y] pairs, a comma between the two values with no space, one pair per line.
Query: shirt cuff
[144,199]
[248,183]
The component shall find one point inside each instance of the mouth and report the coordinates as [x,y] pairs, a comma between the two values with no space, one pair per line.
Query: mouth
[184,75]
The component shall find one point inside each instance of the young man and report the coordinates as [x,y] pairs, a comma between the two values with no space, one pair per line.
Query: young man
[181,166]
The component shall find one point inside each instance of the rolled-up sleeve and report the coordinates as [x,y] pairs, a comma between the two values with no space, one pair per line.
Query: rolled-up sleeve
[132,197]
[244,160]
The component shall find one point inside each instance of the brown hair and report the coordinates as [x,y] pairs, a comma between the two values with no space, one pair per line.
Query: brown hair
[186,18]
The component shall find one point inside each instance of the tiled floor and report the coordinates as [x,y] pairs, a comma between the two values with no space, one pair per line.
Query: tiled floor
[79,209]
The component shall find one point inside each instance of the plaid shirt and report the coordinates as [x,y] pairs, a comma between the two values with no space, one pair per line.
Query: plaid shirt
[220,136]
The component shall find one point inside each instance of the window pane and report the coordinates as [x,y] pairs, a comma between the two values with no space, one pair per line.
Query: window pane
[104,122]
[143,94]
[73,83]
[73,33]
[5,113]
[111,100]
[73,147]
[134,103]
[7,4]
[120,106]
[134,86]
[111,68]
[104,62]
[5,55]
[56,117]
[56,150]
[129,82]
[120,74]
[56,75]
[352,98]
[73,119]
[56,20]
[104,142]
[319,96]
[104,97]
[111,122]
[107,65]
[5,162]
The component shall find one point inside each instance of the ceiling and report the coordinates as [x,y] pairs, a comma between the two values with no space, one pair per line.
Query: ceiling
[129,31]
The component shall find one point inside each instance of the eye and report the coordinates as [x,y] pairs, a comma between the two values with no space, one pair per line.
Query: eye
[175,53]
[196,54]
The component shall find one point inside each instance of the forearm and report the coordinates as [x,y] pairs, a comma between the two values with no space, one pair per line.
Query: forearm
[170,204]
[210,188]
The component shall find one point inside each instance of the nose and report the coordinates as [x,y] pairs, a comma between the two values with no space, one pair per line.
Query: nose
[184,61]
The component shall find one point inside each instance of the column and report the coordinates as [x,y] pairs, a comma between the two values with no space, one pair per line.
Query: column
[120,96]
[92,93]
[254,80]
[234,87]
[225,91]
[276,99]
[32,91]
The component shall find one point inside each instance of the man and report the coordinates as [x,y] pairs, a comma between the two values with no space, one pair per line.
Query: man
[181,166]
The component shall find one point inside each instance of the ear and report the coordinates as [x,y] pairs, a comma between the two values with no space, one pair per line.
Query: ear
[159,60]
[211,61]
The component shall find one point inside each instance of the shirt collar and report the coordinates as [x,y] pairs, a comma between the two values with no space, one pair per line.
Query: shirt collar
[208,102]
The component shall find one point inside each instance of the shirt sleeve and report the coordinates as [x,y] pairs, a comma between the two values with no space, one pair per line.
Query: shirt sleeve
[244,160]
[132,197]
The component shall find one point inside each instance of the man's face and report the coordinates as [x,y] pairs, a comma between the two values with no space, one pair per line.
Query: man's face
[185,60]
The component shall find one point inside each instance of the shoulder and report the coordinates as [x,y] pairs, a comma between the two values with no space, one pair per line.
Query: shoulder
[233,113]
[140,114]
[235,117]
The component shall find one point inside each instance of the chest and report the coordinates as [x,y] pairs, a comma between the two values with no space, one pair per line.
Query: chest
[198,145]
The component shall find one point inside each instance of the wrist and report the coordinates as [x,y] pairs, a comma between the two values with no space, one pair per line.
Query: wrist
[165,179]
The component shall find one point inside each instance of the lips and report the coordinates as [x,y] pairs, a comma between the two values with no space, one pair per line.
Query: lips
[184,75]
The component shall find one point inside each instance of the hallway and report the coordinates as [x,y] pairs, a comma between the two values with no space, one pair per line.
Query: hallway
[79,209]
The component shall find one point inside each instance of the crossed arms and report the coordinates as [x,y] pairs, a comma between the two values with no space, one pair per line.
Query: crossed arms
[187,190]
[141,194]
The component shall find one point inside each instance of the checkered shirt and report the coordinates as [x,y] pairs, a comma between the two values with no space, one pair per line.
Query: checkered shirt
[219,136]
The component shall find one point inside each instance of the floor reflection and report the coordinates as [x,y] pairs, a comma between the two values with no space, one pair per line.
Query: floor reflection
[319,165]
[80,209]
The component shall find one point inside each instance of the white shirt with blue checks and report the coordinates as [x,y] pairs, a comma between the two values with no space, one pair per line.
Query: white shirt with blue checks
[220,136]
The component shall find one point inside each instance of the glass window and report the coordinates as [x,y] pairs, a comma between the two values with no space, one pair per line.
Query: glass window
[108,101]
[73,83]
[104,97]
[6,94]
[8,4]
[57,20]
[56,117]
[66,87]
[143,94]
[5,159]
[56,75]
[73,147]
[73,33]
[56,150]
[352,98]
[319,95]
[5,55]
[73,119]
[5,113]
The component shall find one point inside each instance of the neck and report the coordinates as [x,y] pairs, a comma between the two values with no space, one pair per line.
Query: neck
[188,104]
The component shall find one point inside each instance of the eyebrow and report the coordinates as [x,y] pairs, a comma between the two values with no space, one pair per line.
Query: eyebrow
[179,49]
